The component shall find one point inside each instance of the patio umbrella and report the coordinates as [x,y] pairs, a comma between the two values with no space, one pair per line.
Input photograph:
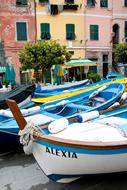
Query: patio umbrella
[80,63]
[7,74]
[12,76]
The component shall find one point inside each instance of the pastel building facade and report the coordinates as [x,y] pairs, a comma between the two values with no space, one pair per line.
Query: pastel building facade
[88,28]
[98,35]
[17,27]
[95,25]
[119,21]
[106,24]
[62,20]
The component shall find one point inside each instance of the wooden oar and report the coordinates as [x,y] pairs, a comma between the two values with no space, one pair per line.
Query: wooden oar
[16,113]
[112,109]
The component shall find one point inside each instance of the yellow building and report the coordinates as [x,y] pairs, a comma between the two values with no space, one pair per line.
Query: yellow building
[62,20]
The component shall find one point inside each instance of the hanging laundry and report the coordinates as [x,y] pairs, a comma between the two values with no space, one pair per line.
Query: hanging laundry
[54,9]
[48,8]
[60,8]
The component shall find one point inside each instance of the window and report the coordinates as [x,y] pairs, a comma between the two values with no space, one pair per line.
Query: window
[45,31]
[94,32]
[69,1]
[21,2]
[125,3]
[103,3]
[70,31]
[21,29]
[90,3]
[125,31]
[43,1]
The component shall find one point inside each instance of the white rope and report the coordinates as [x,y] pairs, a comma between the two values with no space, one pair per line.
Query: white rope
[26,137]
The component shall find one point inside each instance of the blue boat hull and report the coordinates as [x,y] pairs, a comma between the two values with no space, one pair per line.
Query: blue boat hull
[82,102]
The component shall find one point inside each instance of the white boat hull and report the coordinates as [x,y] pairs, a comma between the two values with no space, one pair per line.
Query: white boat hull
[93,147]
[64,164]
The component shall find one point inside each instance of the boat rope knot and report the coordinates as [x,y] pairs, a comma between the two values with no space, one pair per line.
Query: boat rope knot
[26,137]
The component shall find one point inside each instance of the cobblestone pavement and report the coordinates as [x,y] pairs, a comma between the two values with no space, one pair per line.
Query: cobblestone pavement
[21,172]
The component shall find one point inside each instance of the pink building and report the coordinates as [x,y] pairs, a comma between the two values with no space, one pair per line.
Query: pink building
[119,21]
[17,18]
[106,23]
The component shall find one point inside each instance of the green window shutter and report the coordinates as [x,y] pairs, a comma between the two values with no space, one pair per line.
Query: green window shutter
[45,31]
[70,31]
[103,3]
[21,31]
[18,2]
[21,2]
[24,2]
[125,29]
[90,3]
[94,32]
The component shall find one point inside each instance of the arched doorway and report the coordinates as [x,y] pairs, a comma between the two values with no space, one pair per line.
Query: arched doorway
[115,34]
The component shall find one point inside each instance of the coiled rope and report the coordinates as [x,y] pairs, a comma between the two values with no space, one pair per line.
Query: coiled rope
[26,137]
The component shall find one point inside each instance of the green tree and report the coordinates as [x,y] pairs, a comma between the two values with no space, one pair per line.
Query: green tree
[94,77]
[120,53]
[42,55]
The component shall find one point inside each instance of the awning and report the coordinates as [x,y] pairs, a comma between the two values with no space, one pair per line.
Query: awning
[80,63]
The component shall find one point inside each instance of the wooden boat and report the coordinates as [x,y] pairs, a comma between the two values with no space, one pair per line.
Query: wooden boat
[114,76]
[98,99]
[88,88]
[20,94]
[67,151]
[9,139]
[41,91]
